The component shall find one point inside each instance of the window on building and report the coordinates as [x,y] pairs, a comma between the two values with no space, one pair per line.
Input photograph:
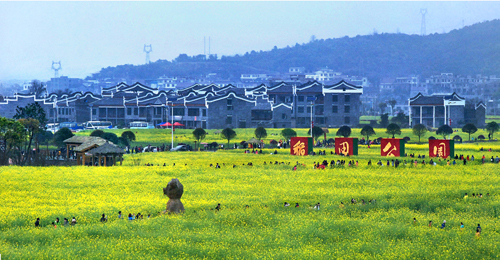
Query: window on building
[178,111]
[142,112]
[204,113]
[102,112]
[120,112]
[129,111]
[229,104]
[347,98]
[262,115]
[308,109]
[193,111]
[335,109]
[283,116]
[300,109]
[136,111]
[301,98]
[229,119]
[319,110]
[347,109]
[347,120]
[111,112]
[158,111]
[94,111]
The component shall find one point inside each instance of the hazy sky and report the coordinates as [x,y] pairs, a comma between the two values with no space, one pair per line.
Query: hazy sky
[86,36]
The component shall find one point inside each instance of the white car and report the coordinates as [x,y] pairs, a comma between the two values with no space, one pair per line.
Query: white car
[181,147]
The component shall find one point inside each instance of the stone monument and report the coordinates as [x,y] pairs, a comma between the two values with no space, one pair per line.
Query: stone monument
[174,192]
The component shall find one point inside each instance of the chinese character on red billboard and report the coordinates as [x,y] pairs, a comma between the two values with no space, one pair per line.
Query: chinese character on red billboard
[392,147]
[301,145]
[346,146]
[441,148]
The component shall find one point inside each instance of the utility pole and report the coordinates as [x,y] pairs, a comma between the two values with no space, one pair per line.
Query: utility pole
[56,66]
[147,50]
[312,99]
[423,11]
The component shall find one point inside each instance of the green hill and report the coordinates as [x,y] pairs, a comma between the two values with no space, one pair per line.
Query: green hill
[470,50]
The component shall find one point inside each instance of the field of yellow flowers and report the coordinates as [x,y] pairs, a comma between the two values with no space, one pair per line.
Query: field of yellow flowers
[265,229]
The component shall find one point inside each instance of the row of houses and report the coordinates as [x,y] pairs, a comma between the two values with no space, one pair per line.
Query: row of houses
[216,106]
[208,106]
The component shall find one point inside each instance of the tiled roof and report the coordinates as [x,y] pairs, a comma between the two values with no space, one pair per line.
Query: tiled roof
[107,148]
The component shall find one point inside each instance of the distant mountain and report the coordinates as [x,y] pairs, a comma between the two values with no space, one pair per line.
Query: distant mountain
[471,50]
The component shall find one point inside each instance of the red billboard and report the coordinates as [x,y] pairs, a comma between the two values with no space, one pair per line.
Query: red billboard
[392,147]
[301,146]
[441,148]
[346,146]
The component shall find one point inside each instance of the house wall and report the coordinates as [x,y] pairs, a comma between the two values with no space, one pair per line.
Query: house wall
[218,112]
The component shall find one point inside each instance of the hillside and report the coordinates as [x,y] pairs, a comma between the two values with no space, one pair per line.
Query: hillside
[471,50]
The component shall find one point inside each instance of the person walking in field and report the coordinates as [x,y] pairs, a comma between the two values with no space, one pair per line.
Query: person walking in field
[478,231]
[461,226]
[218,207]
[104,219]
[430,223]
[73,221]
[443,225]
[37,222]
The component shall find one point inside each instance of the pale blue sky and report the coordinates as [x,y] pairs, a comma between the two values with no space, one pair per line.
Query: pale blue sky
[86,36]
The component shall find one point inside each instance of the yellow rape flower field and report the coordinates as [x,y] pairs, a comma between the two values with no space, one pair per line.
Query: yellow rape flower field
[383,229]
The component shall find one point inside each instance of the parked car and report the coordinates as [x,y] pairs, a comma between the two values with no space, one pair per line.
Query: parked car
[181,147]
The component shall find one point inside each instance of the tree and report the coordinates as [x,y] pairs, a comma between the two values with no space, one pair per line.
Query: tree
[228,134]
[12,136]
[32,110]
[444,130]
[33,117]
[393,129]
[384,120]
[98,133]
[127,137]
[37,88]
[32,127]
[344,131]
[367,131]
[61,135]
[260,132]
[392,103]
[382,107]
[199,134]
[401,119]
[45,137]
[419,130]
[316,132]
[288,133]
[469,128]
[492,127]
[112,137]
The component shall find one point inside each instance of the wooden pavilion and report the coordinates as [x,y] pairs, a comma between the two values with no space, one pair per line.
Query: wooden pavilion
[86,153]
[84,142]
[105,151]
